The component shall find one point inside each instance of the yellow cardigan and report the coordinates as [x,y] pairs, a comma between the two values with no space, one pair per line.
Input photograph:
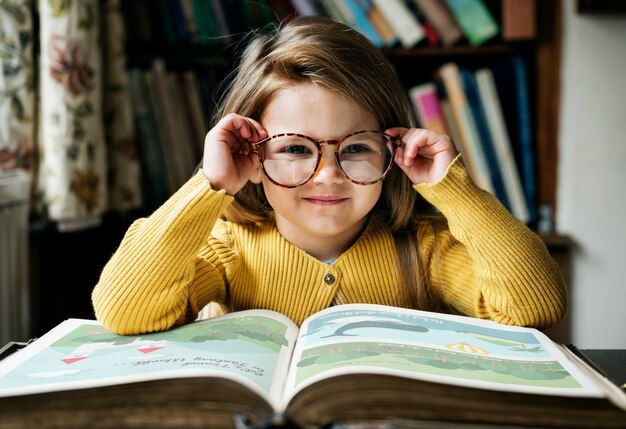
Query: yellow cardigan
[171,264]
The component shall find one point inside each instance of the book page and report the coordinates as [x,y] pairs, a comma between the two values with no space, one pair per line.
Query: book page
[362,338]
[251,347]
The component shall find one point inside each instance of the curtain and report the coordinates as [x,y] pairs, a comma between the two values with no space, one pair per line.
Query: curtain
[17,86]
[79,141]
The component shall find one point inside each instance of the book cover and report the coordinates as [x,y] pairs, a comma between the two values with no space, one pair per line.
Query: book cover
[405,25]
[345,363]
[439,16]
[501,143]
[484,137]
[475,19]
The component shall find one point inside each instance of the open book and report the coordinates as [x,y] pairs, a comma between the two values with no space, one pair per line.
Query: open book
[350,363]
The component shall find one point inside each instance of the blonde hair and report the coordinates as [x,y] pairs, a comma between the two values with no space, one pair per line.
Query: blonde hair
[323,52]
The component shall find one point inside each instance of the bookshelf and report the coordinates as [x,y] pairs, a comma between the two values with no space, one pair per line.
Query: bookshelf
[413,65]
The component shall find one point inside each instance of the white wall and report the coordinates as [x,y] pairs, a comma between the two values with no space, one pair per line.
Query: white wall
[591,198]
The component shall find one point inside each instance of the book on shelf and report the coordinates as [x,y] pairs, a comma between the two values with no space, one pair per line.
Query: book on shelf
[484,136]
[440,18]
[511,79]
[519,21]
[346,363]
[501,143]
[380,23]
[472,150]
[306,7]
[448,113]
[156,187]
[174,179]
[404,23]
[475,19]
[428,107]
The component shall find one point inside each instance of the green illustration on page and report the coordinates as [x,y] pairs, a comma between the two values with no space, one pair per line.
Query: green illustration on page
[246,346]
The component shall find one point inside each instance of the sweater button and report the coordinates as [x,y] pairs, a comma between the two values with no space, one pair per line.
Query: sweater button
[329,279]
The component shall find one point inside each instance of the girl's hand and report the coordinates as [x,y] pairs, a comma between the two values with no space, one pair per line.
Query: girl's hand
[423,155]
[224,163]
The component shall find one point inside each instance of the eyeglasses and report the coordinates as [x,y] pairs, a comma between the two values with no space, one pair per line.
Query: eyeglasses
[290,159]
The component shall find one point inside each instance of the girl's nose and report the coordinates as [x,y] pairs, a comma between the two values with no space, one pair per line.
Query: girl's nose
[328,171]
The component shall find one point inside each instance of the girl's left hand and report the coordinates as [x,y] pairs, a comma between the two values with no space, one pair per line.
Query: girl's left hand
[424,155]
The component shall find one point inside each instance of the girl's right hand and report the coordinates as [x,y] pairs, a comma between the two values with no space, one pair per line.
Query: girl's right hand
[224,164]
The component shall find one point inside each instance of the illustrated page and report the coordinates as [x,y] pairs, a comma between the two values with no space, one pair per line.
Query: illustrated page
[450,349]
[252,347]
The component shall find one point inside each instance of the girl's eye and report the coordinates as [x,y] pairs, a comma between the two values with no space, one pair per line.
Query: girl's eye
[355,148]
[295,150]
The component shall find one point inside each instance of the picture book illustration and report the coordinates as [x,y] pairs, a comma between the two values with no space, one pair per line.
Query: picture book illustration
[431,345]
[244,345]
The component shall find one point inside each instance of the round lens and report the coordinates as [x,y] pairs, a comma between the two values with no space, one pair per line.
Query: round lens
[365,157]
[289,160]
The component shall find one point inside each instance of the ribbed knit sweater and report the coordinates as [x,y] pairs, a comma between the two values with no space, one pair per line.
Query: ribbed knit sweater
[183,256]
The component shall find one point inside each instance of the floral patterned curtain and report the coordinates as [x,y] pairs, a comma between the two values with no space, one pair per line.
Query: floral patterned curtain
[17,86]
[77,182]
[72,153]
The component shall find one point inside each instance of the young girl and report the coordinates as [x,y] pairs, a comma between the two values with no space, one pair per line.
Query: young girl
[313,193]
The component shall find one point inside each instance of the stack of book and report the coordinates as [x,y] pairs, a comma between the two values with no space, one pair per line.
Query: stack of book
[172,119]
[486,112]
[387,23]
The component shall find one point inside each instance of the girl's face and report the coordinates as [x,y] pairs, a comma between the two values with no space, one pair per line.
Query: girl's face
[323,216]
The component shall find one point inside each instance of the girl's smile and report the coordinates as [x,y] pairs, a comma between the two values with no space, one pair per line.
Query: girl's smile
[325,200]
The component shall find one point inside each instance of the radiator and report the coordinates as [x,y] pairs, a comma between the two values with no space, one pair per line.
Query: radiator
[14,285]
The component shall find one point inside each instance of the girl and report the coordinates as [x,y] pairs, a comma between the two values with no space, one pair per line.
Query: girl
[312,193]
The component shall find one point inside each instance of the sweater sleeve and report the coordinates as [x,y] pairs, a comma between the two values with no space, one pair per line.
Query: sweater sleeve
[148,284]
[489,264]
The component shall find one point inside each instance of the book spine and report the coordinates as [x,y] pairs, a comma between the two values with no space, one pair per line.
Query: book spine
[484,137]
[519,21]
[439,16]
[170,139]
[477,165]
[305,7]
[379,22]
[151,150]
[179,22]
[428,108]
[191,25]
[361,22]
[404,23]
[475,20]
[166,21]
[525,138]
[502,143]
